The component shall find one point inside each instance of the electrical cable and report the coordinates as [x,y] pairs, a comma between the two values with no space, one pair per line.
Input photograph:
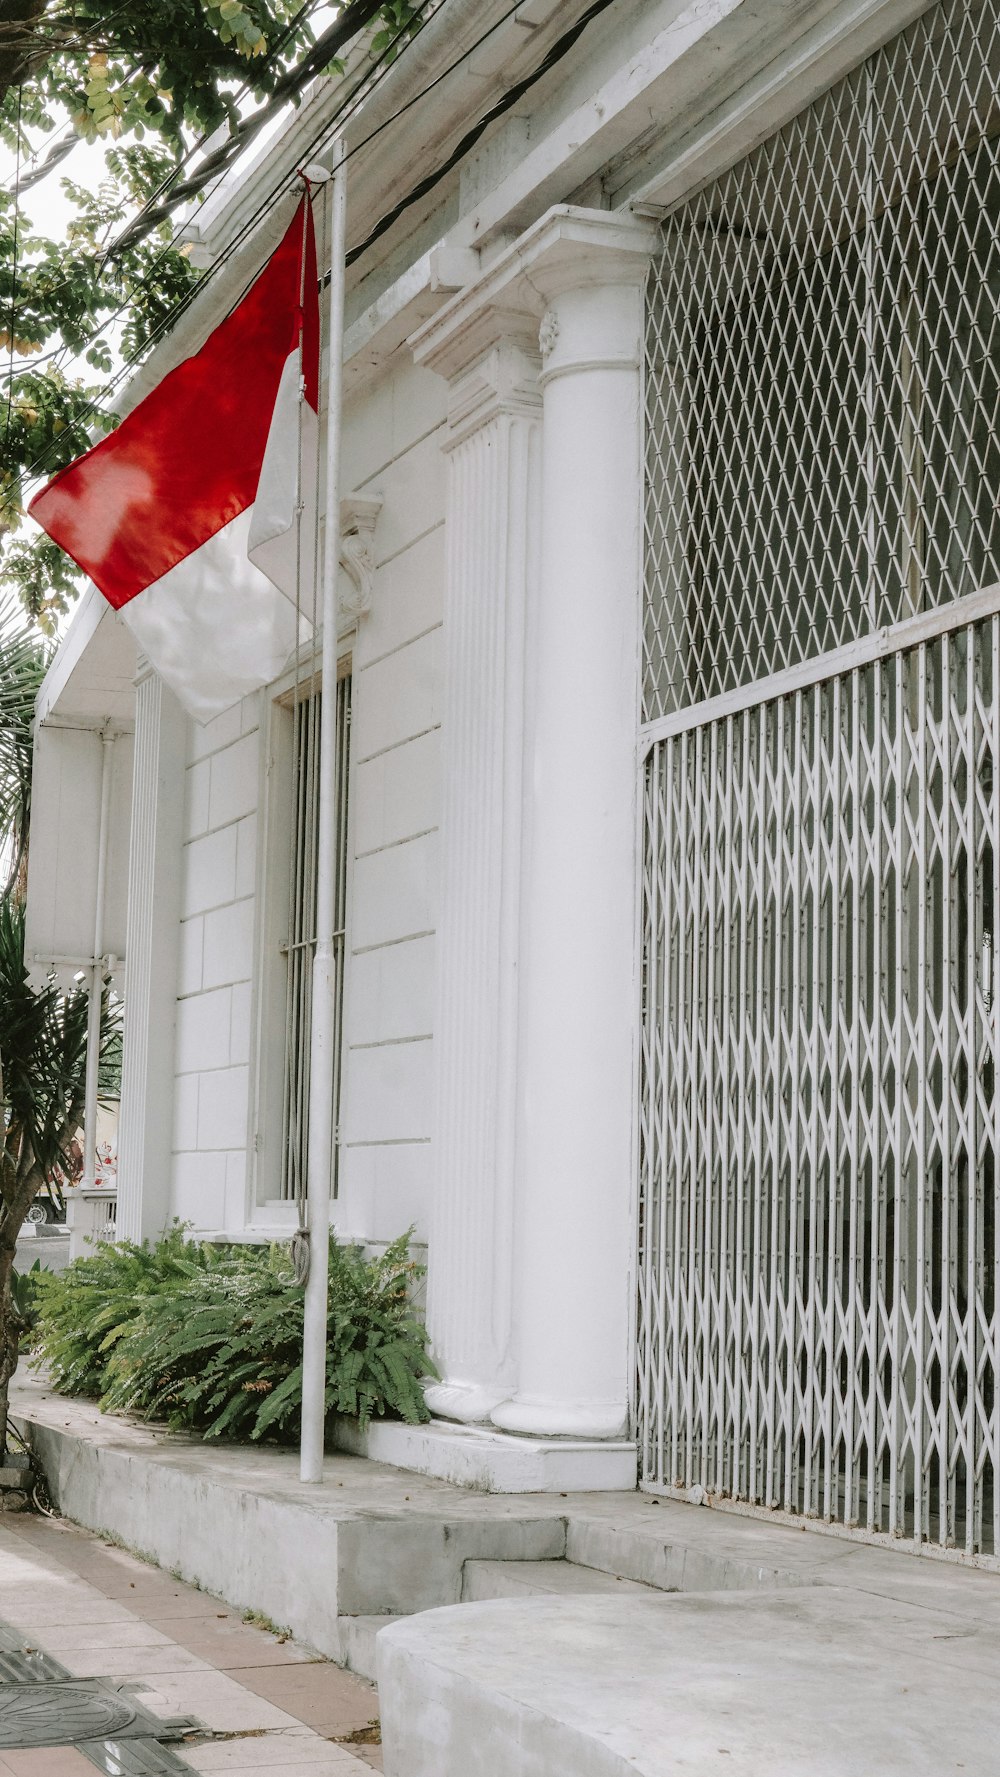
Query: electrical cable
[511,97]
[355,15]
[60,149]
[504,104]
[358,94]
[378,67]
[308,6]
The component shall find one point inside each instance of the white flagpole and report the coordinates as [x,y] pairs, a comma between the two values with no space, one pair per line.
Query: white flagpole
[324,963]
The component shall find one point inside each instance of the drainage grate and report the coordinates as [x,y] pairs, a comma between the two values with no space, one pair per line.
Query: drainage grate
[133,1758]
[29,1665]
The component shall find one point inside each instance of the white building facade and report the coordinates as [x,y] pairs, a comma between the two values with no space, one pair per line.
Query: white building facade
[668,704]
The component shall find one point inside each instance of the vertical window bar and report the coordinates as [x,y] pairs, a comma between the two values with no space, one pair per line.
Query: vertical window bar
[301,940]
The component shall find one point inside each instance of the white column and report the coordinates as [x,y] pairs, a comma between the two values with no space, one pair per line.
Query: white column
[494,469]
[532,1234]
[152,937]
[578,977]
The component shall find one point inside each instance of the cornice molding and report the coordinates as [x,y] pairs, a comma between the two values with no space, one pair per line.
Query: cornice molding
[567,249]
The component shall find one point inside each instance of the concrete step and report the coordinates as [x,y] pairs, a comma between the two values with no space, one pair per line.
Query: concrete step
[357,1643]
[820,1681]
[483,1580]
[679,1548]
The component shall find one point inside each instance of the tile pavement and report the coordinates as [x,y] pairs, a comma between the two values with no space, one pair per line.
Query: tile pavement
[272,1704]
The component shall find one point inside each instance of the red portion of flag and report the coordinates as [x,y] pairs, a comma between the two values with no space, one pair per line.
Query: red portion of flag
[187,460]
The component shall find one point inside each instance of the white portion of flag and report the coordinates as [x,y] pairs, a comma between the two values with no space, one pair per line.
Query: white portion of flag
[286,551]
[212,625]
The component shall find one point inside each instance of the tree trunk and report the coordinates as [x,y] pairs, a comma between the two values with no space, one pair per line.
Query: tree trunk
[10,1331]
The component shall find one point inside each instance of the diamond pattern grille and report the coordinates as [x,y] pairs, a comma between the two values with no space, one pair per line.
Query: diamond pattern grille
[823,371]
[818,1325]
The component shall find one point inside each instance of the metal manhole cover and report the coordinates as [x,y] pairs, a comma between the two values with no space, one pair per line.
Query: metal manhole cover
[36,1714]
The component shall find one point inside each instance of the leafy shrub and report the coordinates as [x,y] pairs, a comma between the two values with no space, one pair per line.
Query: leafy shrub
[210,1338]
[84,1310]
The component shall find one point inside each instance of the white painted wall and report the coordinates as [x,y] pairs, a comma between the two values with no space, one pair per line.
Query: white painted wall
[392,446]
[211,1098]
[393,434]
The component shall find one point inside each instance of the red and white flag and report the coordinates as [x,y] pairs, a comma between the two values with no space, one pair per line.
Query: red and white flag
[185,516]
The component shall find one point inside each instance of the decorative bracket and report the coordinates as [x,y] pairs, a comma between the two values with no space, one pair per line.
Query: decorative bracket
[358,514]
[548,332]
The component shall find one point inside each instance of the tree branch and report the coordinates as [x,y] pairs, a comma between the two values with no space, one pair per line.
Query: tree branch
[356,14]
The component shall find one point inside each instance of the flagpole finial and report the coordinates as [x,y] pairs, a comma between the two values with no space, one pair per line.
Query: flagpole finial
[314,173]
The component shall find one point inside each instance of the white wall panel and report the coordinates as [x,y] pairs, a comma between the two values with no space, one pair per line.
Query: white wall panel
[62,865]
[199,1189]
[192,943]
[409,595]
[389,1184]
[390,1093]
[413,491]
[391,992]
[234,777]
[240,1012]
[398,697]
[203,1025]
[205,738]
[222,1108]
[185,1134]
[395,893]
[246,855]
[228,944]
[209,871]
[196,788]
[390,417]
[398,794]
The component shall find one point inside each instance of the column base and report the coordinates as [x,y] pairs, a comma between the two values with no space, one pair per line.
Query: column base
[493,1461]
[561,1419]
[468,1402]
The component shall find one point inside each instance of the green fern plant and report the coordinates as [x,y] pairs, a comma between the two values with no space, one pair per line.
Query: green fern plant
[84,1310]
[209,1339]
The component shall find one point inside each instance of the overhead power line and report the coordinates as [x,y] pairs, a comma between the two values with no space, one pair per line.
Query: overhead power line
[504,104]
[354,17]
[379,68]
[70,137]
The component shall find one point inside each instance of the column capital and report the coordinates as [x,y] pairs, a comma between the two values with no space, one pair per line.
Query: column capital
[567,249]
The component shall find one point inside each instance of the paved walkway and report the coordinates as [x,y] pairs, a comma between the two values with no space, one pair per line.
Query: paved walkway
[267,1705]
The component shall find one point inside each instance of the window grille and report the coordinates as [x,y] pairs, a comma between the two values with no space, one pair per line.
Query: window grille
[299,946]
[823,372]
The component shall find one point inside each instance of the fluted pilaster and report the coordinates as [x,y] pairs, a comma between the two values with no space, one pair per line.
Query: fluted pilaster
[145,1124]
[493,449]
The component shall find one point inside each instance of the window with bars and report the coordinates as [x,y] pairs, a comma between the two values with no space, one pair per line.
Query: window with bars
[823,372]
[298,944]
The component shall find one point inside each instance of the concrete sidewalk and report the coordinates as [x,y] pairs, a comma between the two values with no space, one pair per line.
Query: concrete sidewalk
[266,1704]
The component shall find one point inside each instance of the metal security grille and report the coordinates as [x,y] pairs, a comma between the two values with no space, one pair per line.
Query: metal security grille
[820,1120]
[820,1126]
[300,944]
[823,371]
